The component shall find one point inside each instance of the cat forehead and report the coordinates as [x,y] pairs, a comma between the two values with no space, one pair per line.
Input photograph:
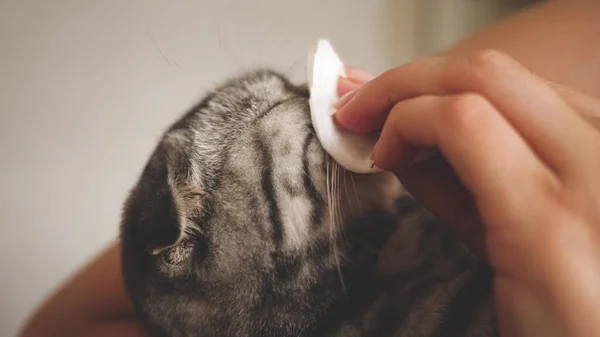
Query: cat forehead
[251,90]
[238,101]
[201,135]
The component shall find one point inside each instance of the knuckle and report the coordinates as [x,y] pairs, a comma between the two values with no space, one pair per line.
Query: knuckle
[490,60]
[581,199]
[558,229]
[464,111]
[488,65]
[556,211]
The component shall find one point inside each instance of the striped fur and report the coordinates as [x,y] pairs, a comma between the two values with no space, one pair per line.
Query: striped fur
[241,225]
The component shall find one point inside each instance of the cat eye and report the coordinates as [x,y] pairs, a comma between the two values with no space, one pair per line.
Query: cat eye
[176,255]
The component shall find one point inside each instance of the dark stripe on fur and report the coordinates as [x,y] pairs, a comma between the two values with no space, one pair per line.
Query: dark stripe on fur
[394,319]
[271,108]
[287,266]
[266,160]
[316,212]
[461,312]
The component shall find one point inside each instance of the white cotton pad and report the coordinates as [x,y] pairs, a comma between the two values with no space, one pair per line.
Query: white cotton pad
[351,150]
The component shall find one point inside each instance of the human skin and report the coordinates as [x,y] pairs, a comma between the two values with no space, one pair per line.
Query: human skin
[516,176]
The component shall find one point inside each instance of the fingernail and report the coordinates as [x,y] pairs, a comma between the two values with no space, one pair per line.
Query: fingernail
[358,75]
[373,166]
[372,157]
[344,99]
[345,86]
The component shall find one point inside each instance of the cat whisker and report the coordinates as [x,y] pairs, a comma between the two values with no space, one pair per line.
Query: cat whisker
[288,69]
[338,222]
[347,195]
[275,54]
[224,46]
[341,231]
[334,215]
[360,208]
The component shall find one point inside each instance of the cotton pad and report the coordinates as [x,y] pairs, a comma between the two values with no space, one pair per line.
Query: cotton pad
[351,150]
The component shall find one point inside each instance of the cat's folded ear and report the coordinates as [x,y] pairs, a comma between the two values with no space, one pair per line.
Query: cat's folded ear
[156,213]
[303,90]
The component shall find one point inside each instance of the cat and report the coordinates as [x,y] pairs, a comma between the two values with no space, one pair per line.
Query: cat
[241,225]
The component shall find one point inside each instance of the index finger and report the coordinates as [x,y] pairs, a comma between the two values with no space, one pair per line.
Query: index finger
[550,125]
[588,107]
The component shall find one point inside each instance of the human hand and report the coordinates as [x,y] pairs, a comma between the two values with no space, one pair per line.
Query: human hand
[518,177]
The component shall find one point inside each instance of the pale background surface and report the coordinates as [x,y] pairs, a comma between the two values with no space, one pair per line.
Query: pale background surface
[86,87]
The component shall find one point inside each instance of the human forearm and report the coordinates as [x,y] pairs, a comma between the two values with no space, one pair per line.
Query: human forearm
[558,40]
[90,304]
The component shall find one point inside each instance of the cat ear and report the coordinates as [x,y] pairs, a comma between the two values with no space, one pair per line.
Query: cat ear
[159,206]
[303,90]
[158,220]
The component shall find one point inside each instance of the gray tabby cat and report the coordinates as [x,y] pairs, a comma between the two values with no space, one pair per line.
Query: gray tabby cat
[241,225]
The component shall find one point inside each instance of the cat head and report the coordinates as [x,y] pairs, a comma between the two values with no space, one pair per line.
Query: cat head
[234,226]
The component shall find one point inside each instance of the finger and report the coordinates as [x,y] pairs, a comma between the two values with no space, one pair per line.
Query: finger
[358,76]
[490,158]
[345,86]
[355,78]
[436,186]
[522,98]
[375,99]
[587,106]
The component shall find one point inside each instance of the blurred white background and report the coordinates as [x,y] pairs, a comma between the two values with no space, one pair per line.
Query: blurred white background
[86,88]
